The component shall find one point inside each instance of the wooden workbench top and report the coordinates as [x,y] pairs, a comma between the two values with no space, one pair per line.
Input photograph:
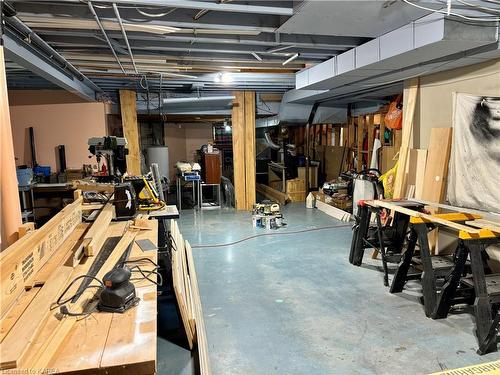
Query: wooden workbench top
[112,343]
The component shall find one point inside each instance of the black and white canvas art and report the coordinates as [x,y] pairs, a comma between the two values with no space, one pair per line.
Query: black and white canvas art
[474,172]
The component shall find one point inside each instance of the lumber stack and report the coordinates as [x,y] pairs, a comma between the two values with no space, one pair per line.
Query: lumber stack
[188,296]
[35,271]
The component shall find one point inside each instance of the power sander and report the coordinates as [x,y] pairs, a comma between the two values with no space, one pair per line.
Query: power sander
[118,294]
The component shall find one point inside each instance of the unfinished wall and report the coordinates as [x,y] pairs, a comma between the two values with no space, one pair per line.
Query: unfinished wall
[434,102]
[184,139]
[55,124]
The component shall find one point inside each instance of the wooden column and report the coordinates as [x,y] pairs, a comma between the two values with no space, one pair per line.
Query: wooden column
[9,198]
[250,158]
[128,108]
[410,99]
[243,122]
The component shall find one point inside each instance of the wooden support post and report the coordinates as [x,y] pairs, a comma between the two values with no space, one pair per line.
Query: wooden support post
[244,156]
[410,94]
[10,207]
[238,125]
[250,158]
[128,108]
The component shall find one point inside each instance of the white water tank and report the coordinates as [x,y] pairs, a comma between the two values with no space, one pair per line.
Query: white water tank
[158,155]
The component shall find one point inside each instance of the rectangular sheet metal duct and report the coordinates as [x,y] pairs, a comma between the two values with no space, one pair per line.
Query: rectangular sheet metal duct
[428,38]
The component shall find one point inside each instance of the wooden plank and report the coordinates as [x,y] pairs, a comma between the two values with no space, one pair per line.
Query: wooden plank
[86,186]
[271,193]
[25,228]
[92,206]
[178,278]
[437,164]
[410,94]
[483,225]
[21,261]
[116,343]
[429,218]
[15,346]
[128,107]
[95,236]
[238,134]
[370,128]
[51,345]
[16,311]
[137,325]
[332,211]
[250,158]
[204,359]
[420,172]
[60,256]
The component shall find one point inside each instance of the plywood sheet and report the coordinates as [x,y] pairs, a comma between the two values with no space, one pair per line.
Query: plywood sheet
[437,164]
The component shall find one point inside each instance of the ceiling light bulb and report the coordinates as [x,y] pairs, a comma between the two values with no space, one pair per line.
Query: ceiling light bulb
[226,78]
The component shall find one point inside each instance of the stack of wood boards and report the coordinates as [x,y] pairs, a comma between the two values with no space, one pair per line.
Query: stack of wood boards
[35,337]
[20,262]
[188,296]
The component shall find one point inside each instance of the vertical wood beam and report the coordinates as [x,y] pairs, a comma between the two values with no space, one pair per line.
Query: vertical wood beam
[238,124]
[410,95]
[250,157]
[9,198]
[128,109]
[371,128]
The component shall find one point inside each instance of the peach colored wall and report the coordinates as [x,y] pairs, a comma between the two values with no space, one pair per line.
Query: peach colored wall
[184,139]
[36,97]
[54,124]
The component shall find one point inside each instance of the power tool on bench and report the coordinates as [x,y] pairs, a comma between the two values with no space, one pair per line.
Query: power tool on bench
[118,294]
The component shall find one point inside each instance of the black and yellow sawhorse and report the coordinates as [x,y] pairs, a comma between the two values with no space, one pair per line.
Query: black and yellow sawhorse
[437,301]
[486,287]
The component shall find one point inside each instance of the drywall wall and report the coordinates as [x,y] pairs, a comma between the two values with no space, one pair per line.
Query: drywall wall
[55,124]
[184,139]
[196,136]
[36,97]
[434,102]
[435,109]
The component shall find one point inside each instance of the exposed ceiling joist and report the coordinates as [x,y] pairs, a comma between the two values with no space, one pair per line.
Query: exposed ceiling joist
[192,4]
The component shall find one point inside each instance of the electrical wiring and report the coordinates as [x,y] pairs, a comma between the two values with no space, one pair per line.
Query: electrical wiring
[155,15]
[145,273]
[479,19]
[61,303]
[478,6]
[199,246]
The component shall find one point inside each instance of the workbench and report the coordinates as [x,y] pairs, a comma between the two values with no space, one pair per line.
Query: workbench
[111,343]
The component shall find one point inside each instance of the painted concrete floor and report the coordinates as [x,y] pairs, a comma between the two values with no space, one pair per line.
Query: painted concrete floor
[292,304]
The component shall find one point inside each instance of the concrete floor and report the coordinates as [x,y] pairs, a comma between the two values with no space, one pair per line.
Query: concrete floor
[292,304]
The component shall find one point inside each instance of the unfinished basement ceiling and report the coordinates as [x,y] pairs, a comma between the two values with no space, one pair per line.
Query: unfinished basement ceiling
[351,18]
[192,48]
